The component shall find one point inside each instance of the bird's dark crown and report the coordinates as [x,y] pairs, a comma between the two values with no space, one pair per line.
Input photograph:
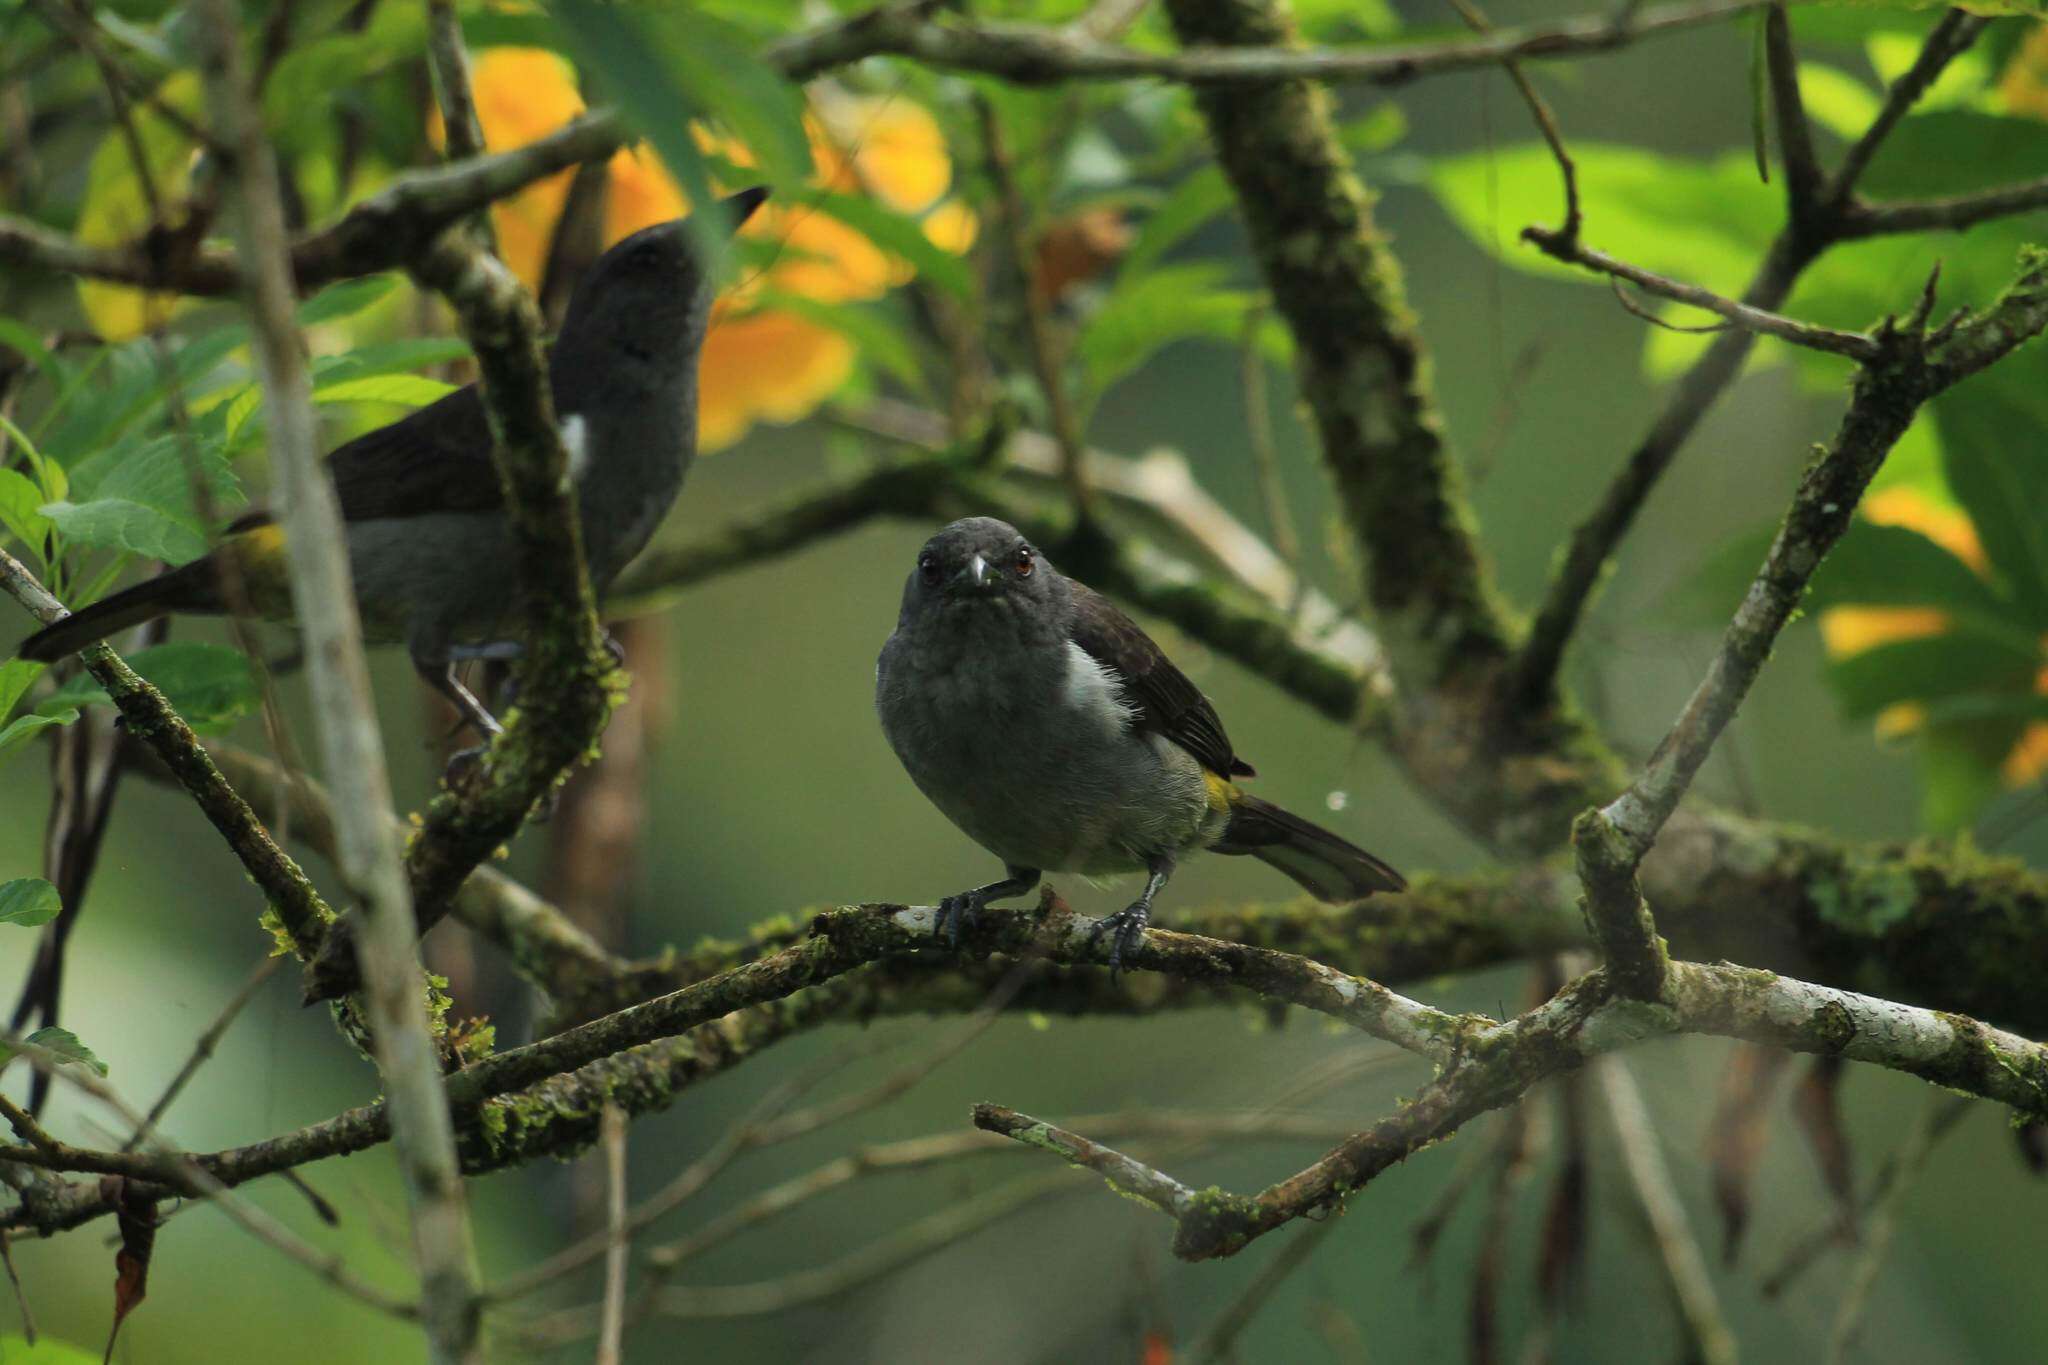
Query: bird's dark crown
[649,293]
[979,561]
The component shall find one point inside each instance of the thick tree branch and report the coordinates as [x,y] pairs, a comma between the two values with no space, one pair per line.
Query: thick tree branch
[565,675]
[1359,358]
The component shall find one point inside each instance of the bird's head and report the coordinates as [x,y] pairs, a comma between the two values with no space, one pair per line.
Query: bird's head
[980,565]
[647,300]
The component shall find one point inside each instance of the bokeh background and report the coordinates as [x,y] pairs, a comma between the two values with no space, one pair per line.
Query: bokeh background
[772,791]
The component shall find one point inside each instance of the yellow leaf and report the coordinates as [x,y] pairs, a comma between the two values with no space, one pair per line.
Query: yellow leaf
[116,206]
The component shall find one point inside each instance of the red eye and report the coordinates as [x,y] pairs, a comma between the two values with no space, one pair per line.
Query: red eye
[1024,562]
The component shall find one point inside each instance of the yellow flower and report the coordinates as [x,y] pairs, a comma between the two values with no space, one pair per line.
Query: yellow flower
[760,362]
[1852,630]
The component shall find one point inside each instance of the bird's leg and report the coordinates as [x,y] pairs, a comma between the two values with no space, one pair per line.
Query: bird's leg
[439,674]
[1127,926]
[955,911]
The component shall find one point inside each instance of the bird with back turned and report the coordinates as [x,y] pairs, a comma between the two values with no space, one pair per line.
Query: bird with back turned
[431,552]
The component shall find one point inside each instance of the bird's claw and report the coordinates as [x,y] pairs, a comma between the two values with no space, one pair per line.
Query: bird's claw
[1126,929]
[955,911]
[460,763]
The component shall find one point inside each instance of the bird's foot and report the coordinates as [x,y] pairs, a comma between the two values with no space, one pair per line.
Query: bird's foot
[1126,929]
[457,770]
[616,648]
[462,761]
[955,913]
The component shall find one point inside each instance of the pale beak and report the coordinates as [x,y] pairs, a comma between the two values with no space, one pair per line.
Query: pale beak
[979,568]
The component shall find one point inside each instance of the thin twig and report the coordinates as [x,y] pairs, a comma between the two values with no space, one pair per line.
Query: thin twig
[185,1175]
[1219,1339]
[1795,133]
[1124,1173]
[1855,345]
[612,1324]
[1950,37]
[345,714]
[1880,1226]
[1706,1327]
[1258,423]
[208,1040]
[1540,111]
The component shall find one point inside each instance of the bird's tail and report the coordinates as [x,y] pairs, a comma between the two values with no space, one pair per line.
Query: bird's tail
[189,588]
[1327,867]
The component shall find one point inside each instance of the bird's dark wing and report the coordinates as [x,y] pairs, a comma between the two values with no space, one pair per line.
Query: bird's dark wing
[1167,703]
[437,459]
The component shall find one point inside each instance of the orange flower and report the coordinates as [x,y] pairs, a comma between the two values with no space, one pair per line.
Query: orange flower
[760,363]
[523,94]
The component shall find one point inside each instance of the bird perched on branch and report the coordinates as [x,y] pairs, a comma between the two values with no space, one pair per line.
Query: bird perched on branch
[1050,728]
[430,549]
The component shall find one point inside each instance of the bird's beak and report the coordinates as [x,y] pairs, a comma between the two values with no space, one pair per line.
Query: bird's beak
[740,207]
[977,569]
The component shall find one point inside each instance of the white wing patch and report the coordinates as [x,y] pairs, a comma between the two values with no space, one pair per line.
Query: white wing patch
[1096,691]
[575,440]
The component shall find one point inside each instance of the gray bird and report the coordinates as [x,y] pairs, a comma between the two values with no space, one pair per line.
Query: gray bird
[429,546]
[1044,723]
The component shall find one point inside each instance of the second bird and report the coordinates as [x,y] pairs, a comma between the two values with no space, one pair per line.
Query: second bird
[1049,727]
[432,554]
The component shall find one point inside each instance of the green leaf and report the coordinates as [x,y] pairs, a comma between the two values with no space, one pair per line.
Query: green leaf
[339,301]
[714,61]
[20,500]
[404,355]
[118,524]
[22,729]
[211,686]
[1959,771]
[16,675]
[28,902]
[1955,151]
[15,1350]
[1892,566]
[1704,222]
[1997,464]
[1193,202]
[403,390]
[160,473]
[900,236]
[1937,667]
[25,340]
[1837,100]
[1170,304]
[65,1044]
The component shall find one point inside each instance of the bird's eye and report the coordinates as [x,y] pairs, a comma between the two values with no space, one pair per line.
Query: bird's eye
[1024,561]
[928,567]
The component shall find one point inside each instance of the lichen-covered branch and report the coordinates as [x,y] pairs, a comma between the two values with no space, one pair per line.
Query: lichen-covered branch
[1589,1018]
[345,715]
[1358,356]
[565,675]
[151,720]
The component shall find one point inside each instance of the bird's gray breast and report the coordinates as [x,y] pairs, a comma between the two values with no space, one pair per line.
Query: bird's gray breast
[1032,752]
